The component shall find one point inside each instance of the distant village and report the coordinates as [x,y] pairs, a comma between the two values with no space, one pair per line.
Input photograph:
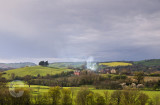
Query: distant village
[103,71]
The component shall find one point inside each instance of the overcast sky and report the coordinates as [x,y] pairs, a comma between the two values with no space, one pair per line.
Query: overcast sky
[73,30]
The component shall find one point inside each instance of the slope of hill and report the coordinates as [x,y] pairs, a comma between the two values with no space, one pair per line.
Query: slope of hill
[34,71]
[15,65]
[113,64]
[66,64]
[151,62]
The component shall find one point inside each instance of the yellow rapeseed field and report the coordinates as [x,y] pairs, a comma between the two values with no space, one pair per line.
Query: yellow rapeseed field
[113,64]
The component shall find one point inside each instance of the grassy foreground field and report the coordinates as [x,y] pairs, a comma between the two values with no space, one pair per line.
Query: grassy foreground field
[113,64]
[34,71]
[37,89]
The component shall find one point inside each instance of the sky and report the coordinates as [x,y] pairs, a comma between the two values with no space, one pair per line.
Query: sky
[74,30]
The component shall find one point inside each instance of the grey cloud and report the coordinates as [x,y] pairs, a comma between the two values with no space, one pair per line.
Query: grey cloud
[105,29]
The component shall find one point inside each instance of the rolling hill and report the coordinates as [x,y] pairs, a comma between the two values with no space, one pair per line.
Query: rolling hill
[151,62]
[7,66]
[34,71]
[66,64]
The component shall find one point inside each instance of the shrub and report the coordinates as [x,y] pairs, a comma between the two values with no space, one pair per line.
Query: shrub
[156,100]
[81,98]
[116,97]
[55,93]
[23,100]
[90,99]
[117,77]
[129,97]
[41,100]
[100,100]
[107,97]
[66,97]
[143,98]
[7,99]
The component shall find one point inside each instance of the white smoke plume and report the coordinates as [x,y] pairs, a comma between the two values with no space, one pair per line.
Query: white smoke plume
[91,64]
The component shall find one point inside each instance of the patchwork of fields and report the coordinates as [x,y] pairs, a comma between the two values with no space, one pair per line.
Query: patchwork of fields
[37,89]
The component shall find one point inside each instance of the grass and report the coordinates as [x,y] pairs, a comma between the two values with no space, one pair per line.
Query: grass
[38,89]
[151,62]
[66,64]
[75,90]
[34,71]
[114,64]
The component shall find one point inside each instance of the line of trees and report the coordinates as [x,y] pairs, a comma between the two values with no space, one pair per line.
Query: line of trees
[43,63]
[65,96]
[109,81]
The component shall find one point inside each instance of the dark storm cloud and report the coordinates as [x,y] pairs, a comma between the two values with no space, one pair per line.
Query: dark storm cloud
[77,29]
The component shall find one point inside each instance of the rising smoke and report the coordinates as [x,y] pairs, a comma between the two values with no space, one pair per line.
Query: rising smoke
[91,65]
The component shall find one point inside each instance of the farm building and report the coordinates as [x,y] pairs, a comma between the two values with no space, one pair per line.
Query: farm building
[77,72]
[113,71]
[108,71]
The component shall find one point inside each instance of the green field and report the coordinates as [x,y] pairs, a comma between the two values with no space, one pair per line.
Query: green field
[34,71]
[114,64]
[66,64]
[37,89]
[152,62]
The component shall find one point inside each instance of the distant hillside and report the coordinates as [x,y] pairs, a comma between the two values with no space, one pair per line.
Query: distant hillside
[6,66]
[66,64]
[34,71]
[151,62]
